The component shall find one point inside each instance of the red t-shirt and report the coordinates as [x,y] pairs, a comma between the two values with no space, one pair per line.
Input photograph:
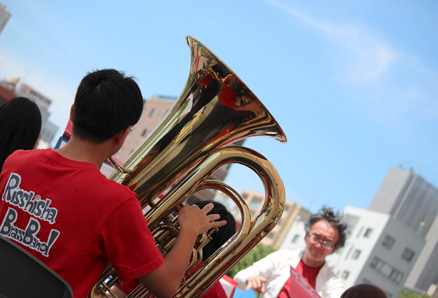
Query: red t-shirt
[71,217]
[216,291]
[307,272]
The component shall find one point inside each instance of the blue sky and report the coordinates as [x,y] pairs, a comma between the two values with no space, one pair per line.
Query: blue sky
[354,84]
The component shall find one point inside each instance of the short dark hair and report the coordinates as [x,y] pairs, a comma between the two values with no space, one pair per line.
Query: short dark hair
[364,291]
[106,102]
[20,126]
[224,233]
[333,218]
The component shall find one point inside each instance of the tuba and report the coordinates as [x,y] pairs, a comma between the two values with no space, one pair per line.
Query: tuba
[192,141]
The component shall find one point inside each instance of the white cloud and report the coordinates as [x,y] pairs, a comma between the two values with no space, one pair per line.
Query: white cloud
[392,86]
[368,57]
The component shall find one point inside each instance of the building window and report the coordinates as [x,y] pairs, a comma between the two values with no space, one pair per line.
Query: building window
[408,254]
[345,274]
[356,254]
[388,242]
[153,112]
[340,251]
[396,276]
[360,231]
[295,239]
[348,254]
[270,235]
[387,270]
[144,132]
[376,263]
[368,232]
[255,203]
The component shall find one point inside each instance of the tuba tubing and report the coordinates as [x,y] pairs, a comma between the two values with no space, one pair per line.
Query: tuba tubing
[214,110]
[251,231]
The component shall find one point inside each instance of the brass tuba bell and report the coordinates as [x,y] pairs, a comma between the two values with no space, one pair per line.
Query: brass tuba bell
[214,110]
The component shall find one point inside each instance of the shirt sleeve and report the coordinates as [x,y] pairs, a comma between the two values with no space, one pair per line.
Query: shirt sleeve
[263,268]
[128,242]
[334,288]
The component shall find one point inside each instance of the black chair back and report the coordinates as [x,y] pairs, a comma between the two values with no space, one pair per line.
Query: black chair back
[23,275]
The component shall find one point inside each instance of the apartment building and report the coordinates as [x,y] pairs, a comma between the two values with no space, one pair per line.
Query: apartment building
[380,250]
[412,200]
[16,87]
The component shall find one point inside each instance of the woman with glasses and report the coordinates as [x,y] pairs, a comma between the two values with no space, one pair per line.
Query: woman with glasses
[271,276]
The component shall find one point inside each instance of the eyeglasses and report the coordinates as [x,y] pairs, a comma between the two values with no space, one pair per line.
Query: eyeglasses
[315,240]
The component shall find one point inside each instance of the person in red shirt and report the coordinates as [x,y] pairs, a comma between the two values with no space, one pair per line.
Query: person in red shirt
[218,239]
[50,198]
[325,232]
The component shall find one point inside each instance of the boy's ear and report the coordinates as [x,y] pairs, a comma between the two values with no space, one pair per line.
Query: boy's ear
[121,136]
[72,111]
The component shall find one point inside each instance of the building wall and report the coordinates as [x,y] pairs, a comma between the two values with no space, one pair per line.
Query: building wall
[412,200]
[390,191]
[409,198]
[292,211]
[295,237]
[379,250]
[17,88]
[389,267]
[365,229]
[154,109]
[425,271]
[5,94]
[4,16]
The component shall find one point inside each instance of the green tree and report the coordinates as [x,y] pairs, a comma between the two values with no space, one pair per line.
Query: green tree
[410,294]
[257,253]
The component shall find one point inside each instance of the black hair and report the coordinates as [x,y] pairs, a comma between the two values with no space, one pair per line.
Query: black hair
[223,234]
[333,218]
[20,126]
[106,102]
[364,291]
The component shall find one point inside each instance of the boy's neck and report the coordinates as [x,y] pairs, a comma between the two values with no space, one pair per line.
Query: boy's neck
[80,150]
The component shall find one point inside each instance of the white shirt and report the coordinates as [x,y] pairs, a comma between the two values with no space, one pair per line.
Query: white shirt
[276,269]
